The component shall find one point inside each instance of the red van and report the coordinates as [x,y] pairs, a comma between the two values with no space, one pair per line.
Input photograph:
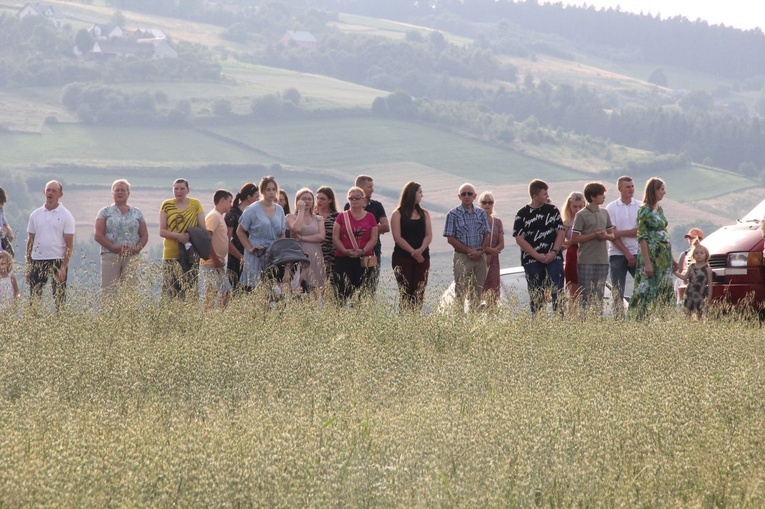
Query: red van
[736,260]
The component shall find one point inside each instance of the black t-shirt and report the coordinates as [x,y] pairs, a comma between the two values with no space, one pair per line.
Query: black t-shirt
[377,210]
[539,227]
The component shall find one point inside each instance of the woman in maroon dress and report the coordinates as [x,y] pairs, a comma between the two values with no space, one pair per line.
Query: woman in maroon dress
[574,203]
[491,287]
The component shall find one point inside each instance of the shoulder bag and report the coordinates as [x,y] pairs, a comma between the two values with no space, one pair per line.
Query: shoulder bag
[367,261]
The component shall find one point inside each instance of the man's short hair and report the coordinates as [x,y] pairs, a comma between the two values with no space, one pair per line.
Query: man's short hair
[621,180]
[592,190]
[221,194]
[362,180]
[536,186]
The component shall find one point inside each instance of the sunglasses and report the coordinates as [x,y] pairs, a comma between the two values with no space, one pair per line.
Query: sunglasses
[355,198]
[487,203]
[467,193]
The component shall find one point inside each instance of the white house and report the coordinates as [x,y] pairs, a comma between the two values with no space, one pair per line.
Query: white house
[41,9]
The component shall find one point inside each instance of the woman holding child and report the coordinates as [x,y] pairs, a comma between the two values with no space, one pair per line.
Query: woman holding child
[653,275]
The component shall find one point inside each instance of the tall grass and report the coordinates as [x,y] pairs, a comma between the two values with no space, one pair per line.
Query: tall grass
[159,403]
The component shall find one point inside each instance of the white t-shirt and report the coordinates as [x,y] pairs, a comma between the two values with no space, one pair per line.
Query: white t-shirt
[623,217]
[49,228]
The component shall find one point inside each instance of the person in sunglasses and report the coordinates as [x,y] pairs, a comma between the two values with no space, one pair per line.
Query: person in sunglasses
[539,232]
[467,231]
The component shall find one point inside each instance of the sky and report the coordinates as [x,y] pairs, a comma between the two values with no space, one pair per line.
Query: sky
[744,14]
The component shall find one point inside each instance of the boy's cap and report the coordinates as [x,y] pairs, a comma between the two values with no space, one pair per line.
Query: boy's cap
[695,233]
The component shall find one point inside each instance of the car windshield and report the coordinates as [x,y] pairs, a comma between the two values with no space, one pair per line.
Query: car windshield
[756,214]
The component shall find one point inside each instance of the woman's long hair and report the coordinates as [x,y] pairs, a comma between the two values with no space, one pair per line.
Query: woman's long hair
[329,193]
[246,191]
[566,212]
[651,187]
[407,202]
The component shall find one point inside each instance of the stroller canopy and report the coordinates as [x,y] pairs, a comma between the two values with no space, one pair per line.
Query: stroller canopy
[284,251]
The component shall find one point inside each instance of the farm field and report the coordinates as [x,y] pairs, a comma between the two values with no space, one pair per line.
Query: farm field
[364,407]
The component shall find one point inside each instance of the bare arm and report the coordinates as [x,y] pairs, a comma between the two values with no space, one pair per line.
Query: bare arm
[244,238]
[372,240]
[143,237]
[395,228]
[167,234]
[232,250]
[15,286]
[499,247]
[69,242]
[646,258]
[30,243]
[100,236]
[526,248]
[338,243]
[383,227]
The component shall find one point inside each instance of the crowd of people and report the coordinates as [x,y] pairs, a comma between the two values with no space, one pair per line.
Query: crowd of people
[564,254]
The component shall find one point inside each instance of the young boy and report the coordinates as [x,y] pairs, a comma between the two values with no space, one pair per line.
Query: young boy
[217,284]
[592,228]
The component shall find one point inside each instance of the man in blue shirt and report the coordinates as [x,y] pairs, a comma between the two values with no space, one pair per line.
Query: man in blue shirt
[467,231]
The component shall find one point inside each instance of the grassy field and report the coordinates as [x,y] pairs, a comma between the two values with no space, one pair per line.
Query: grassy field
[354,142]
[158,405]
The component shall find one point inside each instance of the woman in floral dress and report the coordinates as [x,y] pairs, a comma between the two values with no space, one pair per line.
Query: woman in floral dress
[653,276]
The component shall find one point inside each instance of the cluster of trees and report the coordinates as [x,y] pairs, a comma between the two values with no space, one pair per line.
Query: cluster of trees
[101,104]
[422,66]
[34,53]
[723,140]
[720,50]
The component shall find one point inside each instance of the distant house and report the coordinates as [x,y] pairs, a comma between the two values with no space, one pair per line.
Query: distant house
[148,33]
[48,11]
[304,39]
[160,48]
[100,32]
[154,49]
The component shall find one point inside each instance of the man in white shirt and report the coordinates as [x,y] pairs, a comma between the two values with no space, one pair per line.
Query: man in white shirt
[50,240]
[623,250]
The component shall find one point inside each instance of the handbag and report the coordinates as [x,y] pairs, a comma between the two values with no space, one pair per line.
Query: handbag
[367,261]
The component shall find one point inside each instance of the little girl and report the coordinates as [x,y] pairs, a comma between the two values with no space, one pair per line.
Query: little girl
[9,289]
[698,276]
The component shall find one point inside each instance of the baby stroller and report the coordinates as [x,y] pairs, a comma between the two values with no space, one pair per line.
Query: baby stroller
[285,265]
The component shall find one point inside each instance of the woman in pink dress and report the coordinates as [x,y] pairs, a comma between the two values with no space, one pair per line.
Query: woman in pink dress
[491,287]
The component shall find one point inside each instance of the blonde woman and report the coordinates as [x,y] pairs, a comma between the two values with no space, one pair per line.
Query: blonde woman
[354,237]
[121,231]
[574,203]
[491,287]
[308,228]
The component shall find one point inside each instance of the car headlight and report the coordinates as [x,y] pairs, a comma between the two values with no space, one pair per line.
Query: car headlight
[745,259]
